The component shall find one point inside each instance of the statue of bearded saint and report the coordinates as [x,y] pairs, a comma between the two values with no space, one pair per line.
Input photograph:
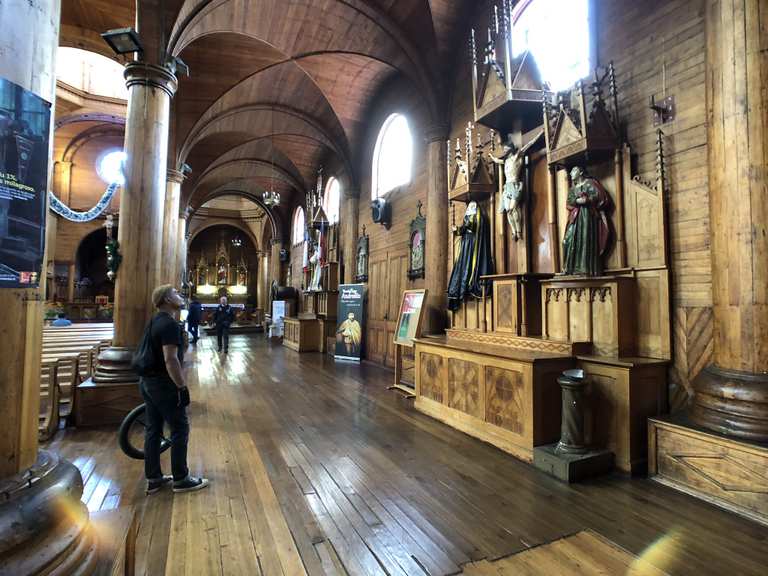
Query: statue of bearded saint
[512,196]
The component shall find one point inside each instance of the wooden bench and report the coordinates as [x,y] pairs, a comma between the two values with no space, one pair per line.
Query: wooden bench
[69,356]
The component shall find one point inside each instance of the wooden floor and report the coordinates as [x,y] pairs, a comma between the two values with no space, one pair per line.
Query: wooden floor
[316,468]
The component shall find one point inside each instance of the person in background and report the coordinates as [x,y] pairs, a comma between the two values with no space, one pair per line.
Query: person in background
[222,319]
[193,319]
[166,396]
[61,321]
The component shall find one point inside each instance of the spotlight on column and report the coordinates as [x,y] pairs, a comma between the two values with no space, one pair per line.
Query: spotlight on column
[123,40]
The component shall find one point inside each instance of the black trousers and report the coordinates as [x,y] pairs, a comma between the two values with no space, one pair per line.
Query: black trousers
[161,398]
[222,334]
[194,329]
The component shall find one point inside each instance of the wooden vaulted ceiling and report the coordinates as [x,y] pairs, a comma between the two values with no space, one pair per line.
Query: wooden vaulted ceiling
[278,88]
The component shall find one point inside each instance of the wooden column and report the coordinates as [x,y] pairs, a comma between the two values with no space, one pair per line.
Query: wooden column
[71,270]
[171,241]
[436,242]
[350,215]
[29,35]
[142,202]
[62,181]
[275,264]
[180,271]
[732,393]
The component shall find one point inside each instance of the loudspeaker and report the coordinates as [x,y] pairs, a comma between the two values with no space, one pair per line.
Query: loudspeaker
[381,212]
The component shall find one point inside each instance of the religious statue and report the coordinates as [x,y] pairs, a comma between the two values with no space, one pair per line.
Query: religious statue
[221,273]
[350,334]
[316,266]
[361,258]
[474,259]
[512,196]
[587,233]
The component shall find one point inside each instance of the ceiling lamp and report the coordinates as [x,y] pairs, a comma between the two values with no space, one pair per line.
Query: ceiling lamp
[237,242]
[270,197]
[123,40]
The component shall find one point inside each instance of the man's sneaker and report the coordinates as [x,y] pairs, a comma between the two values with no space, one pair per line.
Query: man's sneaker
[190,484]
[156,484]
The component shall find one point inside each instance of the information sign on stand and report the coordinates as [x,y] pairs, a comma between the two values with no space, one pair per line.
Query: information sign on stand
[408,327]
[351,323]
[25,122]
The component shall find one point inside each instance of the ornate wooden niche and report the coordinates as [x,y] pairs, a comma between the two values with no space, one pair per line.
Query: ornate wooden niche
[579,128]
[416,241]
[471,175]
[505,89]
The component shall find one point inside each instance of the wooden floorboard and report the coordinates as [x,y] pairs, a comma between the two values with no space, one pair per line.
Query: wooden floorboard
[317,468]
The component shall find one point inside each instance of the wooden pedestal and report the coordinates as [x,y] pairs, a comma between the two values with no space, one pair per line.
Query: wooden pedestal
[327,304]
[309,303]
[624,393]
[509,398]
[729,473]
[516,304]
[301,334]
[598,310]
[105,404]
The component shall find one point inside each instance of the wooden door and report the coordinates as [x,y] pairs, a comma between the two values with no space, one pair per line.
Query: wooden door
[397,270]
[376,323]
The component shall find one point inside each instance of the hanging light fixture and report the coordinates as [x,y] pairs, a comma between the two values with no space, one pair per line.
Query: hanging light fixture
[271,197]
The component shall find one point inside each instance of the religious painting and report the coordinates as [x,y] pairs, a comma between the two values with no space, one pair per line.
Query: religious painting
[416,245]
[410,316]
[351,322]
[361,258]
[25,121]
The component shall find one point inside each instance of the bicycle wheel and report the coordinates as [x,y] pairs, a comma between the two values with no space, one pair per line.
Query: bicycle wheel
[131,434]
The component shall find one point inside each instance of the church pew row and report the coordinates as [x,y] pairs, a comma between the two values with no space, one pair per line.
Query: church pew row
[68,357]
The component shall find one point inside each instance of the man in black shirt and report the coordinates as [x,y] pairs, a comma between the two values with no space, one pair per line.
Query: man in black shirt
[223,318]
[166,396]
[193,319]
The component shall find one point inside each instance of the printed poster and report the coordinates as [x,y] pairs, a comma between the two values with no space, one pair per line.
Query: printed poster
[25,123]
[409,317]
[351,322]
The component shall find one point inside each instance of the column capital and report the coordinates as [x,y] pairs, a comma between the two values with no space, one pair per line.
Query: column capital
[175,176]
[143,74]
[437,132]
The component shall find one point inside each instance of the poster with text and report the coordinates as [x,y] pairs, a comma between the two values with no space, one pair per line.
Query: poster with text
[25,122]
[409,319]
[351,322]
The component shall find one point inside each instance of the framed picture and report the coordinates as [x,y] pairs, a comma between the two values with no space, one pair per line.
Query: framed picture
[410,317]
[416,245]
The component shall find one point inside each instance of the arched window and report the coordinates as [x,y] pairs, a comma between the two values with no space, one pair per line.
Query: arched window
[297,235]
[110,167]
[557,32]
[392,157]
[331,200]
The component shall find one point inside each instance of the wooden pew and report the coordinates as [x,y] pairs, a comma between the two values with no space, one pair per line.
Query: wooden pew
[68,355]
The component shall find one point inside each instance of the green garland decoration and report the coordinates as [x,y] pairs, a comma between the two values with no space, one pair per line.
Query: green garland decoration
[114,258]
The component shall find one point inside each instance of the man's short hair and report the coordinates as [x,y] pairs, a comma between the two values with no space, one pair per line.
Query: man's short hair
[160,293]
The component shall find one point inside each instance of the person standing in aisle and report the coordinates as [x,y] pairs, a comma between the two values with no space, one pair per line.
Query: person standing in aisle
[222,319]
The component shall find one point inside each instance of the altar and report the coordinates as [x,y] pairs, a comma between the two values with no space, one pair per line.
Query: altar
[576,248]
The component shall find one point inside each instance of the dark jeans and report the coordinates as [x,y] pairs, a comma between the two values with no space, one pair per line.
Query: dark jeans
[222,333]
[193,329]
[162,401]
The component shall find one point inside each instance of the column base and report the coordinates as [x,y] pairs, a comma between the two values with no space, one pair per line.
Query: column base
[114,366]
[43,523]
[731,402]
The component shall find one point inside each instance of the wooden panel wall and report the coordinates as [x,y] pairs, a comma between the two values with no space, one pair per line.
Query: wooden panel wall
[658,48]
[69,235]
